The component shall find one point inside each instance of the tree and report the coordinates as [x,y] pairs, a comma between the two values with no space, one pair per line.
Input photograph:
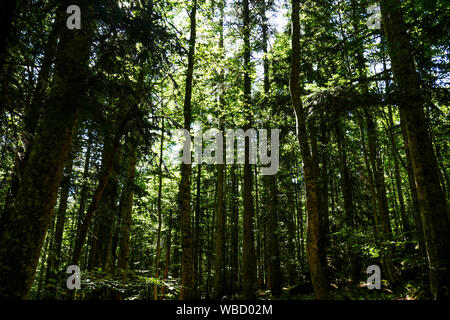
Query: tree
[126,206]
[21,242]
[249,257]
[432,204]
[316,268]
[219,278]
[89,172]
[158,237]
[187,277]
[54,257]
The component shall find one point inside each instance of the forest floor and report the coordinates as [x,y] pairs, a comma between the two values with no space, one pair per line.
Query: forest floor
[412,290]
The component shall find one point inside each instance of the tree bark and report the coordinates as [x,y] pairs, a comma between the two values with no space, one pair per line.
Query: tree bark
[197,235]
[126,209]
[54,258]
[187,277]
[219,276]
[32,114]
[21,243]
[167,254]
[312,191]
[432,204]
[249,258]
[158,235]
[413,192]
[234,225]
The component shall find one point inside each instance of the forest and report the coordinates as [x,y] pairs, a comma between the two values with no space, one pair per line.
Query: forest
[339,187]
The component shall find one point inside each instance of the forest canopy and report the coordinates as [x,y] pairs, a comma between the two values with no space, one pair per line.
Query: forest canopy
[338,112]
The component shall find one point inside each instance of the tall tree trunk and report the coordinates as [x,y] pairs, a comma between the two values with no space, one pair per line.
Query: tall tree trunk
[258,229]
[108,160]
[31,117]
[347,193]
[158,235]
[33,110]
[266,252]
[126,209]
[370,177]
[167,254]
[100,253]
[322,205]
[219,276]
[45,255]
[219,279]
[290,225]
[324,186]
[273,245]
[316,268]
[176,254]
[36,196]
[432,203]
[187,277]
[197,234]
[84,187]
[298,198]
[54,258]
[234,226]
[413,191]
[383,223]
[249,257]
[398,182]
[209,258]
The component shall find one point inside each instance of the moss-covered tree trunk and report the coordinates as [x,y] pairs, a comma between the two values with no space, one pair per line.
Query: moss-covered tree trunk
[249,256]
[159,208]
[219,275]
[324,181]
[126,209]
[413,191]
[32,113]
[33,207]
[322,205]
[187,270]
[54,258]
[316,268]
[432,203]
